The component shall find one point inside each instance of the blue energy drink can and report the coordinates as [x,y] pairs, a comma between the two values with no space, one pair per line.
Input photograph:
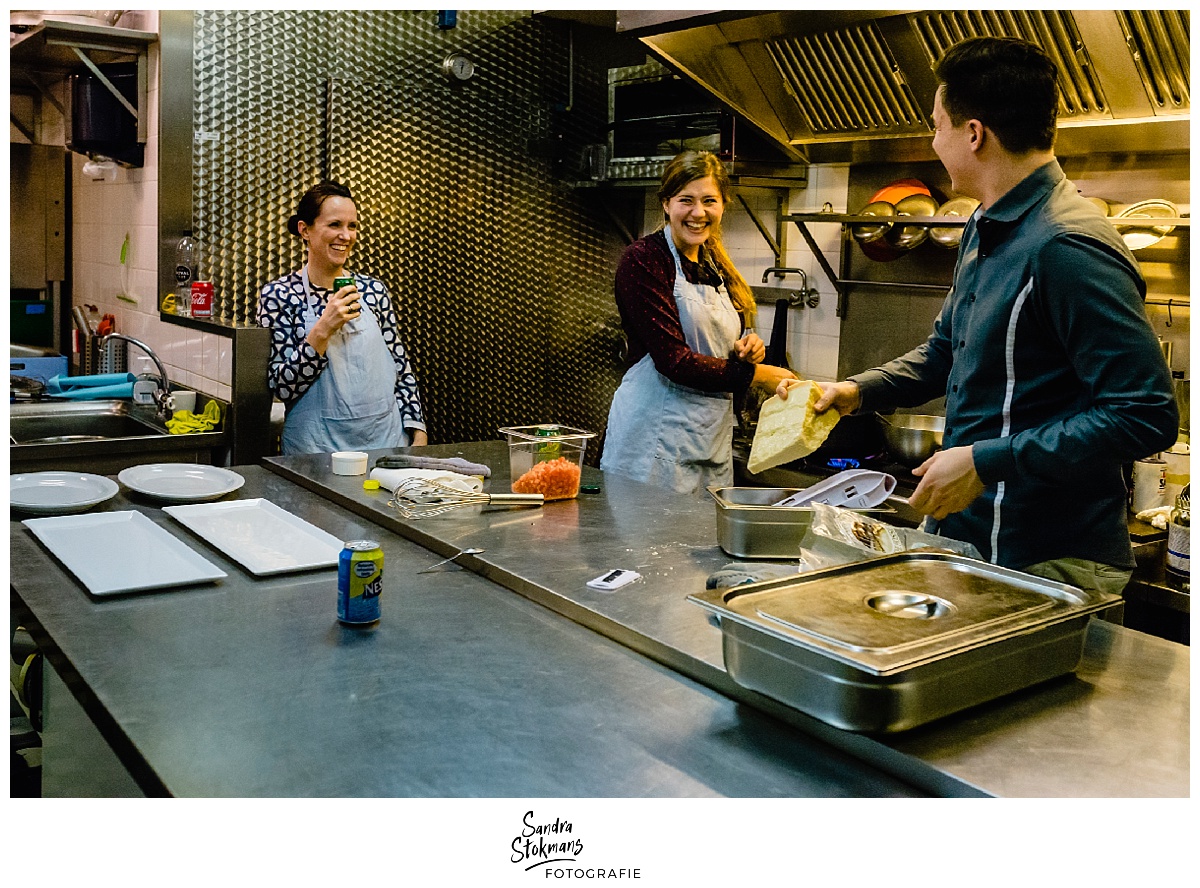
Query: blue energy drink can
[360,582]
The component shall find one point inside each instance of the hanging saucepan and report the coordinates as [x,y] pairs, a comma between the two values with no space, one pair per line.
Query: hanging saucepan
[908,237]
[871,238]
[951,237]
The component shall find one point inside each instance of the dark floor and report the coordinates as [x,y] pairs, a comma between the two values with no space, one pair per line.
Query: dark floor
[25,741]
[25,759]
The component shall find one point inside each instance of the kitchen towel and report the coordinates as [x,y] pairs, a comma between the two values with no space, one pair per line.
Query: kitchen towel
[105,386]
[184,422]
[739,572]
[392,478]
[450,464]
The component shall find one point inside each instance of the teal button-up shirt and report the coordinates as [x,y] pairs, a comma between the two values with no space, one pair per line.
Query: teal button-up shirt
[1051,373]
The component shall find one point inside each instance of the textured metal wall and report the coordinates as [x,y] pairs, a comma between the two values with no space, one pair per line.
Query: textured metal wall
[501,271]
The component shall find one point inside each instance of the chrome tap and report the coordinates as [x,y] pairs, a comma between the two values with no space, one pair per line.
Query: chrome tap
[783,272]
[797,298]
[162,394]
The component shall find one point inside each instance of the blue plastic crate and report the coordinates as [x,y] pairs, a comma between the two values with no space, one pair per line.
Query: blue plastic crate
[43,369]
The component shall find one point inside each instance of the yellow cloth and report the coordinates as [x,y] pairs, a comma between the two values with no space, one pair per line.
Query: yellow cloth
[183,422]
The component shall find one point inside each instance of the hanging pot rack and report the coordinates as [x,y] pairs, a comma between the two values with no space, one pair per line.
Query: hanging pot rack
[802,221]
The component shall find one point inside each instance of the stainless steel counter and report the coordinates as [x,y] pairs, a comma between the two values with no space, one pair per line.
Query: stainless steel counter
[1118,727]
[249,687]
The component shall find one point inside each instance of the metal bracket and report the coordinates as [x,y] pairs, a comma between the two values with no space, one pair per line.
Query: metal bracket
[108,84]
[778,241]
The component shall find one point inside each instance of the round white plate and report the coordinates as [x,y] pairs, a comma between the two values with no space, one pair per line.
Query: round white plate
[181,482]
[58,493]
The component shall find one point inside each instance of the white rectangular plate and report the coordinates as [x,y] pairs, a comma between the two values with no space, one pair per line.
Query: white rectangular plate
[259,535]
[113,552]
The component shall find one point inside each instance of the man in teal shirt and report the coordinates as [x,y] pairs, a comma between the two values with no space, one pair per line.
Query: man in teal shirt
[1052,375]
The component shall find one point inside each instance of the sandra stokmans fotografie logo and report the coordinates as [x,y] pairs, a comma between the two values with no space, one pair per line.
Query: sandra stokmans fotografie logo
[553,847]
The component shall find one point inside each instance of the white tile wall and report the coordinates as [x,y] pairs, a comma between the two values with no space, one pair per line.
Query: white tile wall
[813,333]
[103,214]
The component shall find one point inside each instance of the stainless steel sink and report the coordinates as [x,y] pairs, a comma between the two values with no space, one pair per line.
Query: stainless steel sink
[54,422]
[102,437]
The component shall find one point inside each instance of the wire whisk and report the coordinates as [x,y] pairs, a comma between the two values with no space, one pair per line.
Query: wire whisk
[424,498]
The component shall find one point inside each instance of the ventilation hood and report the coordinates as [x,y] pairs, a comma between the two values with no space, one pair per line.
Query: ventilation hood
[858,85]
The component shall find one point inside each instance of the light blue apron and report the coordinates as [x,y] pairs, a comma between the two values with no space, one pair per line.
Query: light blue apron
[352,404]
[669,434]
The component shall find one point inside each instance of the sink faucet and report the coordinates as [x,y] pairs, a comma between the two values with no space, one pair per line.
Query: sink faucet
[162,393]
[784,272]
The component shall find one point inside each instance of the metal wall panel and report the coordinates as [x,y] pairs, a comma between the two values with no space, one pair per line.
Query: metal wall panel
[501,271]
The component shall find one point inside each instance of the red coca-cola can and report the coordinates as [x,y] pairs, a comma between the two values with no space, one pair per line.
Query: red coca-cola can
[202,299]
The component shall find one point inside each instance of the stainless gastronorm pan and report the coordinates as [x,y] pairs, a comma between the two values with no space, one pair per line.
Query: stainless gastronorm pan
[894,642]
[750,526]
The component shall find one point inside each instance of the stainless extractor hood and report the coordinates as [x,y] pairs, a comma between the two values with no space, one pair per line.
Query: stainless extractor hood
[850,86]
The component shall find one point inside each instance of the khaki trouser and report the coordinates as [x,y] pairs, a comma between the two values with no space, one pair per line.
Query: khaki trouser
[1091,576]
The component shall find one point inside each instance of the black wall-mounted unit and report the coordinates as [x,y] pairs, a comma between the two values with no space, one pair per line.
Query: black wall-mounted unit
[98,124]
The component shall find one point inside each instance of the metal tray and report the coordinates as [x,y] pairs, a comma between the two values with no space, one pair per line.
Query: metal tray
[750,526]
[888,644]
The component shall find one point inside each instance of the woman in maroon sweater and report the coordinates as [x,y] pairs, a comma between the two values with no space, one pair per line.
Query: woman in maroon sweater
[686,312]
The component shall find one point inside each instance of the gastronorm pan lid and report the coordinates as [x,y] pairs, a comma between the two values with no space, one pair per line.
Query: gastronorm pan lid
[902,609]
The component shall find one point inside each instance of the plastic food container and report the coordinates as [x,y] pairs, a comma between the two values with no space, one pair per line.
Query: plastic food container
[546,459]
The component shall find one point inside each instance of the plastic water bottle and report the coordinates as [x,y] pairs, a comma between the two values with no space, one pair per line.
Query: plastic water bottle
[187,255]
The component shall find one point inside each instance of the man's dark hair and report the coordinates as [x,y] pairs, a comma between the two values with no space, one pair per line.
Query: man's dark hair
[1008,85]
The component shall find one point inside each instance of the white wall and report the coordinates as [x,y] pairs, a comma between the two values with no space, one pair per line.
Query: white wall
[103,213]
[812,332]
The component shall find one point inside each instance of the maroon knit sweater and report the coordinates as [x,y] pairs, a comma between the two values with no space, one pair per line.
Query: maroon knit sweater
[644,290]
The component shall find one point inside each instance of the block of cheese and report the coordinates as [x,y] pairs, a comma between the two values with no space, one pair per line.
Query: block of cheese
[791,429]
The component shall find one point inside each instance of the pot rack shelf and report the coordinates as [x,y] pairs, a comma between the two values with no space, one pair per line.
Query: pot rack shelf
[846,220]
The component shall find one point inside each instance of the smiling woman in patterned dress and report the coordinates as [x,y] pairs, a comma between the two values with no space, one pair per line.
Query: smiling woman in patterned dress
[337,362]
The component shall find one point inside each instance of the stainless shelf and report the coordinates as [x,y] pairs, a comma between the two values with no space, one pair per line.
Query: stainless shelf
[51,46]
[848,219]
[801,220]
[50,51]
[961,221]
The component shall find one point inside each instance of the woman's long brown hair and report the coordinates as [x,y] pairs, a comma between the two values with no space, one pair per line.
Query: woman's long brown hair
[685,168]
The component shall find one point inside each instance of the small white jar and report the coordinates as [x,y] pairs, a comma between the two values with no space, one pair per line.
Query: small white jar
[349,462]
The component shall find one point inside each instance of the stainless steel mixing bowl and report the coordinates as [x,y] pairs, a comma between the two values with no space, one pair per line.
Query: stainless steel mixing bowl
[912,438]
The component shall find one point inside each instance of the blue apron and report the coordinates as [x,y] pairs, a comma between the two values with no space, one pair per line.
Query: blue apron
[352,404]
[669,434]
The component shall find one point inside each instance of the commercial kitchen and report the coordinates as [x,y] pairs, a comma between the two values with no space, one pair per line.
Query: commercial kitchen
[501,161]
